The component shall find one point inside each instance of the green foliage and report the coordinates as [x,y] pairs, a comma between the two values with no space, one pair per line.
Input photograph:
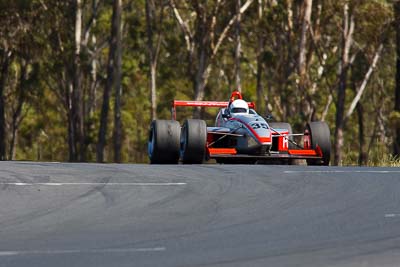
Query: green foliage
[394,119]
[42,34]
[376,159]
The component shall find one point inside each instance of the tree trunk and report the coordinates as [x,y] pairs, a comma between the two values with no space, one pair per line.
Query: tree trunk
[77,107]
[153,90]
[305,107]
[238,46]
[396,150]
[347,39]
[260,69]
[362,154]
[91,102]
[201,77]
[302,64]
[93,86]
[364,83]
[109,83]
[16,118]
[72,149]
[259,53]
[6,60]
[117,83]
[201,80]
[284,105]
[150,25]
[202,57]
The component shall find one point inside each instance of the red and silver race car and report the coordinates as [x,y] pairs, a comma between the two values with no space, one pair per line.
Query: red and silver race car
[240,135]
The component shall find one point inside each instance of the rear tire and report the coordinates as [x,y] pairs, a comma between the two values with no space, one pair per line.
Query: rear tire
[320,136]
[163,144]
[193,141]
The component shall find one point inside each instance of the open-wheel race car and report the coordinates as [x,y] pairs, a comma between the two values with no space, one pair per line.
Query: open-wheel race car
[240,135]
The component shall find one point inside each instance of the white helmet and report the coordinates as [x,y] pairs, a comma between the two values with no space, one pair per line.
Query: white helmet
[239,106]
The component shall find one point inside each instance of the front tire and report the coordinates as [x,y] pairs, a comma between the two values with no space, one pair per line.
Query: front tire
[193,141]
[163,144]
[320,136]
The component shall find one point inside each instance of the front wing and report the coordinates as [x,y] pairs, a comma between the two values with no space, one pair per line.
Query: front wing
[223,153]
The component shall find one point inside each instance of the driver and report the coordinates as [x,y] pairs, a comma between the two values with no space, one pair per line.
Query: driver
[238,106]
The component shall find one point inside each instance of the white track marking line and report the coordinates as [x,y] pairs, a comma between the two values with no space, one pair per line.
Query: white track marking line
[392,215]
[8,253]
[77,251]
[94,183]
[338,171]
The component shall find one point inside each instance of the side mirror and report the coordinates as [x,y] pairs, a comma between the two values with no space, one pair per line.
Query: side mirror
[226,115]
[269,117]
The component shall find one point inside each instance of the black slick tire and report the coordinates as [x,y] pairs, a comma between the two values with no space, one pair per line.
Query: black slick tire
[163,144]
[193,141]
[320,136]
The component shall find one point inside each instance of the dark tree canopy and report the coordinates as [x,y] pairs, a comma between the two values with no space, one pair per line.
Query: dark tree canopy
[82,80]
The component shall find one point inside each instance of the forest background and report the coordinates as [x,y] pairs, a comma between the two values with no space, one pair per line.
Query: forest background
[81,80]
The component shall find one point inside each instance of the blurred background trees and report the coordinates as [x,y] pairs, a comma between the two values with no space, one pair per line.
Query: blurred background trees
[81,80]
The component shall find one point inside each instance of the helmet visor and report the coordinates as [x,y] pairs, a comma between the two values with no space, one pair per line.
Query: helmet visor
[239,110]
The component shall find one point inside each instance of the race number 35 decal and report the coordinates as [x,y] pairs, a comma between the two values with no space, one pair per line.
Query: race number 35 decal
[258,125]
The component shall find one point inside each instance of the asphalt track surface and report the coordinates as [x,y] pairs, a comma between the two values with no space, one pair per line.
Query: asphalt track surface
[202,215]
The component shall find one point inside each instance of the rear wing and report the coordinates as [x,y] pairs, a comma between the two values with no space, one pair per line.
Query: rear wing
[206,104]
